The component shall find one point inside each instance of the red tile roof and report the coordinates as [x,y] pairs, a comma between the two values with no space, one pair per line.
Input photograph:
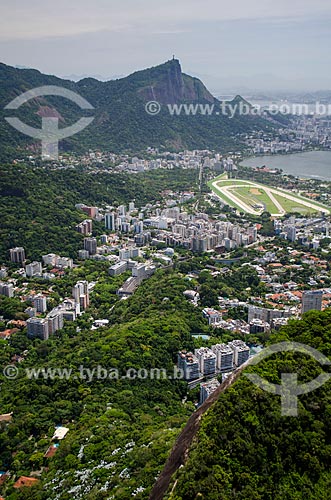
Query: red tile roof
[3,478]
[51,451]
[26,481]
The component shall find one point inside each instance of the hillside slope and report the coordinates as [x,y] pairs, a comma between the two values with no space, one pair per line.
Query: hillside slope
[46,203]
[245,449]
[120,118]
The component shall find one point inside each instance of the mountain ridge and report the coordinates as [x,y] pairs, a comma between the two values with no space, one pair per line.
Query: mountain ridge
[121,122]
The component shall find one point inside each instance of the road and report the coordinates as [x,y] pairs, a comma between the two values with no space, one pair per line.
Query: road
[180,450]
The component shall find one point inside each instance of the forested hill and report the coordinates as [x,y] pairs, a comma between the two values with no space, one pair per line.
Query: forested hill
[120,119]
[45,201]
[245,449]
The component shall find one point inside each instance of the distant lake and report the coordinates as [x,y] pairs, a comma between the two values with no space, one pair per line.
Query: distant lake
[313,164]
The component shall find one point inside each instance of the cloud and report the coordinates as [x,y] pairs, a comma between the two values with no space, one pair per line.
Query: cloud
[226,40]
[21,19]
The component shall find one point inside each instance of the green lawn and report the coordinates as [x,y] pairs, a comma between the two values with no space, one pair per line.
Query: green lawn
[293,206]
[245,194]
[317,203]
[226,200]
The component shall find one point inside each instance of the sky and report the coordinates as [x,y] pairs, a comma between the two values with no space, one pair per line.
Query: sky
[231,45]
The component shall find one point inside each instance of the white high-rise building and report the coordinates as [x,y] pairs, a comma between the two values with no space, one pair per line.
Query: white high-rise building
[50,259]
[64,262]
[138,227]
[207,388]
[3,273]
[292,233]
[240,350]
[207,360]
[122,210]
[38,327]
[80,293]
[40,303]
[110,221]
[189,363]
[224,356]
[129,253]
[55,321]
[33,269]
[83,254]
[118,268]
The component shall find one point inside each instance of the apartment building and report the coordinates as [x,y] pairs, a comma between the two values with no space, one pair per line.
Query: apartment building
[189,363]
[207,388]
[17,255]
[33,269]
[207,360]
[240,350]
[90,244]
[224,356]
[312,300]
[7,289]
[38,328]
[40,303]
[212,315]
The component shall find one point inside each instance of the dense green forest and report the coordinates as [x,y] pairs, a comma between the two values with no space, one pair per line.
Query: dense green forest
[103,415]
[122,429]
[38,206]
[245,449]
[121,122]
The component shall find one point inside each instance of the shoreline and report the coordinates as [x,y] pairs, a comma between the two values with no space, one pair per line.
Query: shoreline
[316,177]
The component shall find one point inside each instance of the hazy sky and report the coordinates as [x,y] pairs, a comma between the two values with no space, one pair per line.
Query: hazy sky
[262,44]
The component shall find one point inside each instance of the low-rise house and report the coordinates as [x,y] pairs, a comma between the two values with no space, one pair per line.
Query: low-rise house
[60,433]
[25,481]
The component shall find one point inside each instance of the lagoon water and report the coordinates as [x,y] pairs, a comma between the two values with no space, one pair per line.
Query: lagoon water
[314,164]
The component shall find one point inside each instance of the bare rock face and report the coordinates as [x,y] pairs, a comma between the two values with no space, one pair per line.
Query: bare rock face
[169,85]
[121,122]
